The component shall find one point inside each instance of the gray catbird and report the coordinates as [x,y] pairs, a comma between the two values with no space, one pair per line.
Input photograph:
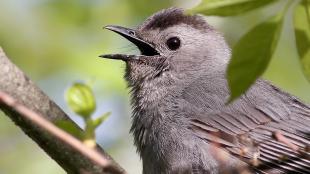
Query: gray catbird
[181,124]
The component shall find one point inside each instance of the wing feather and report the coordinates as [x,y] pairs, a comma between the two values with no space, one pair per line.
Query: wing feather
[251,123]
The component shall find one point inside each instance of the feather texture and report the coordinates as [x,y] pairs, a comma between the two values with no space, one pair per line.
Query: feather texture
[246,128]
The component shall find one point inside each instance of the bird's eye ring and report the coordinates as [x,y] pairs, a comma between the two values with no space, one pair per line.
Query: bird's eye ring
[173,43]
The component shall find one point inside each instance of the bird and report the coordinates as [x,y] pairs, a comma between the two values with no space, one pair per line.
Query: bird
[181,121]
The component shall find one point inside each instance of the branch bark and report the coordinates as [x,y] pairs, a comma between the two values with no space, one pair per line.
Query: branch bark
[17,85]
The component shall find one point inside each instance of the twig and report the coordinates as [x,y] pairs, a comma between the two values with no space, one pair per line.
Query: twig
[55,131]
[15,84]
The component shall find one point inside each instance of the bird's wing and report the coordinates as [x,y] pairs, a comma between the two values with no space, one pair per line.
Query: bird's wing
[266,127]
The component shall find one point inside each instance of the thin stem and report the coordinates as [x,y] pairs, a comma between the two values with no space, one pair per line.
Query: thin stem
[89,136]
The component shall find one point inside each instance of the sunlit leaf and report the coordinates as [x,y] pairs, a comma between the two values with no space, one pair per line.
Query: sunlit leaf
[70,127]
[97,122]
[302,35]
[228,7]
[81,100]
[251,55]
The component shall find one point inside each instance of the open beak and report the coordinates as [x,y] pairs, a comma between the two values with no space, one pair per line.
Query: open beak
[145,48]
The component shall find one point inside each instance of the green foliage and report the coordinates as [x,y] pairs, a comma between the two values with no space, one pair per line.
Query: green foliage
[81,100]
[246,66]
[228,7]
[78,13]
[100,119]
[253,52]
[302,35]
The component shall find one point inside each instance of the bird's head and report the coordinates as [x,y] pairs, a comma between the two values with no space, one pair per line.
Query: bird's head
[174,47]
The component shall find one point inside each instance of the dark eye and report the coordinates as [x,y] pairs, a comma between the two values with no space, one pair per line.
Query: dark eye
[173,43]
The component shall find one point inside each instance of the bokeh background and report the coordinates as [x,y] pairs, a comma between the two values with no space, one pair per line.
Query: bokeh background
[57,42]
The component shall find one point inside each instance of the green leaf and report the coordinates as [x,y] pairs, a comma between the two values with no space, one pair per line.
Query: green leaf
[91,125]
[81,100]
[302,35]
[228,7]
[97,122]
[70,127]
[251,55]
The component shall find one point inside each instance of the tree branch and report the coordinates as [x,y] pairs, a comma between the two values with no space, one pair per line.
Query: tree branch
[16,84]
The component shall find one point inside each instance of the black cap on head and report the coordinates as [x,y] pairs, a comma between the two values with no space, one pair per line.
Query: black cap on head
[173,16]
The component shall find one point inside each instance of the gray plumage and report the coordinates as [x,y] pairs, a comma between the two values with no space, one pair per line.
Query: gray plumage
[181,124]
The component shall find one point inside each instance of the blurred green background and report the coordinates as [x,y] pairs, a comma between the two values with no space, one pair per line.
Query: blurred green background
[57,42]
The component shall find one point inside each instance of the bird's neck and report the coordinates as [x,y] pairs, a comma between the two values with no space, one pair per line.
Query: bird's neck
[145,100]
